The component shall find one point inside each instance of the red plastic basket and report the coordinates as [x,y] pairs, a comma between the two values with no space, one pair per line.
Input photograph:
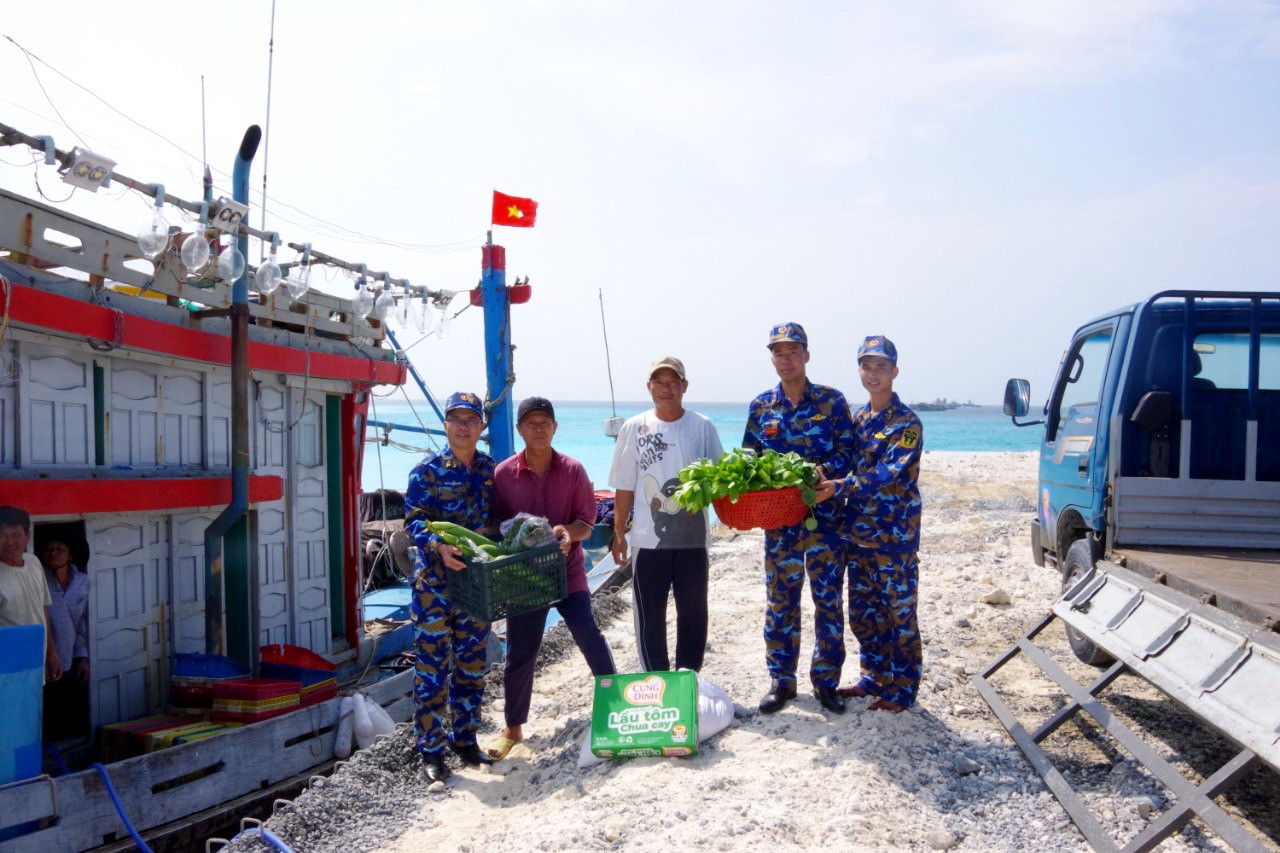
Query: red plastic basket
[766,510]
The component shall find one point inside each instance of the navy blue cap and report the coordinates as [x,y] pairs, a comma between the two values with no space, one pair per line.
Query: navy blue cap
[878,345]
[464,400]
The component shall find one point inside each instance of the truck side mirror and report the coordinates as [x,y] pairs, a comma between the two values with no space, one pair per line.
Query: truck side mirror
[1017,401]
[1017,398]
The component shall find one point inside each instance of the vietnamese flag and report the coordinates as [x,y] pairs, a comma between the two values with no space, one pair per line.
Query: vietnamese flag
[513,210]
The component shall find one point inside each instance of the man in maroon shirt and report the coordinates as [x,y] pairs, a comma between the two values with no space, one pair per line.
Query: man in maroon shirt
[543,482]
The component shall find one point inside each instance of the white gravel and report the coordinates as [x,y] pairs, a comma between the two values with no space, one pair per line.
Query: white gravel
[943,776]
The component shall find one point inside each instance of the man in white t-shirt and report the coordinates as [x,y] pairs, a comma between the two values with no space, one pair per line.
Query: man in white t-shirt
[670,544]
[24,596]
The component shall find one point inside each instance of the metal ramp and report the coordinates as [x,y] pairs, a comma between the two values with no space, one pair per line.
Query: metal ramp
[1225,671]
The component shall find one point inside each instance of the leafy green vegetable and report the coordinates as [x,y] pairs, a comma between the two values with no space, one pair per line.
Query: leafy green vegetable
[739,471]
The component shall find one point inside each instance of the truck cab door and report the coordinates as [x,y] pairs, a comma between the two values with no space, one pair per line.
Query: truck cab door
[1073,457]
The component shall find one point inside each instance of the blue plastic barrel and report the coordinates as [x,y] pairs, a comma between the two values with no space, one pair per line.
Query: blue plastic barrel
[21,697]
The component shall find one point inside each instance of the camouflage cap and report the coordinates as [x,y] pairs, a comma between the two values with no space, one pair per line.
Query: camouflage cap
[464,400]
[788,333]
[878,345]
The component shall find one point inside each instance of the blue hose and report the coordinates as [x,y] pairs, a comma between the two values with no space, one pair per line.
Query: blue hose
[137,839]
[267,837]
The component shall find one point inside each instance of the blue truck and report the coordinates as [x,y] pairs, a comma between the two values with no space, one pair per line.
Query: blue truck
[1159,502]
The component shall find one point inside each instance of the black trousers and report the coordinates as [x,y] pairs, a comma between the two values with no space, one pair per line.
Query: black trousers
[66,708]
[524,639]
[659,573]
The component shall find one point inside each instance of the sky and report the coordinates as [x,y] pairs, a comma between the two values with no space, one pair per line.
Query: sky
[973,179]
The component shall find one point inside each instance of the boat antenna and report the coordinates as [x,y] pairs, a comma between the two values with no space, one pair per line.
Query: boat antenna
[266,135]
[204,130]
[612,425]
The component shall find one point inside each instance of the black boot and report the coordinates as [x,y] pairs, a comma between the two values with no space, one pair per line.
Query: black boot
[777,697]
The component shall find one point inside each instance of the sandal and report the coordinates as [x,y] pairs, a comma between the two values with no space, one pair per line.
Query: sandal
[886,705]
[499,748]
[852,692]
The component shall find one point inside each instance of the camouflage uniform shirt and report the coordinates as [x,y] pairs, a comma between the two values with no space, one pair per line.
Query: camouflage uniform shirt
[882,491]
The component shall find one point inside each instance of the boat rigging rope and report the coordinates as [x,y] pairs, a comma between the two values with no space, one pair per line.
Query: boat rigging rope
[608,363]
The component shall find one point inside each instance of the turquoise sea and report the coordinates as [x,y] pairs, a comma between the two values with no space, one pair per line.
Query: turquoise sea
[581,435]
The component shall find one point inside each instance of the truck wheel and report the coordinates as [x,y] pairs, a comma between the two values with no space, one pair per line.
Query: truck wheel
[1078,562]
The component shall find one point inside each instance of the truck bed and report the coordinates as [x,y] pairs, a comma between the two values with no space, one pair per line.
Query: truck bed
[1244,583]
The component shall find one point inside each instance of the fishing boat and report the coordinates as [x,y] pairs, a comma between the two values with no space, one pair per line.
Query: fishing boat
[202,442]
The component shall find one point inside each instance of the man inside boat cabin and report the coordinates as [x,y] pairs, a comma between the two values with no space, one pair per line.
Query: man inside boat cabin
[456,485]
[542,481]
[812,420]
[24,597]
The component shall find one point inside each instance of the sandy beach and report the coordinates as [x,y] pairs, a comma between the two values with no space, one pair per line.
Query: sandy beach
[943,776]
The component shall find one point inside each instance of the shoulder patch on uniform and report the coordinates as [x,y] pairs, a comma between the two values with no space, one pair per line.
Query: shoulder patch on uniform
[910,438]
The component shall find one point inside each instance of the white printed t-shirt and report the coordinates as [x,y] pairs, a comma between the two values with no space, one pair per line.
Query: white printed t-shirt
[647,460]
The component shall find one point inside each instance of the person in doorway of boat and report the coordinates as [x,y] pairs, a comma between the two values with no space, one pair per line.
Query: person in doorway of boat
[24,597]
[456,485]
[543,482]
[670,544]
[882,497]
[813,421]
[66,701]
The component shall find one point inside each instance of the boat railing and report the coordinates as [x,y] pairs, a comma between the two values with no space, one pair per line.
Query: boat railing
[40,236]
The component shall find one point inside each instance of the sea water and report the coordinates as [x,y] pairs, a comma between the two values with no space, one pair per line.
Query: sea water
[581,434]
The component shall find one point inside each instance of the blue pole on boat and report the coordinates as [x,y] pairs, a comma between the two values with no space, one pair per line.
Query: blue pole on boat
[417,377]
[215,640]
[500,372]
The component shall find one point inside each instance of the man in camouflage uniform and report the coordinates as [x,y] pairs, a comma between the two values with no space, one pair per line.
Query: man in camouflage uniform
[454,484]
[812,420]
[883,506]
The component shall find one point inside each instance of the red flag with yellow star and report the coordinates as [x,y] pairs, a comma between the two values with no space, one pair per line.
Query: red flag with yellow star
[513,210]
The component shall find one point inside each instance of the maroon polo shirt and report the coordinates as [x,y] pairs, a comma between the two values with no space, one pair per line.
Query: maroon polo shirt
[563,495]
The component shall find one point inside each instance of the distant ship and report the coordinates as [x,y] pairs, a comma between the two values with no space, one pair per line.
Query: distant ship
[941,404]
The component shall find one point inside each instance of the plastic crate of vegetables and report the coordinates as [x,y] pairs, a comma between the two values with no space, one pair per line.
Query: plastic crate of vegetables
[507,586]
[522,572]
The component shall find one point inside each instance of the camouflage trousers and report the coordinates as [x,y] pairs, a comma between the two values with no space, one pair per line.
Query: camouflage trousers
[790,554]
[448,678]
[882,615]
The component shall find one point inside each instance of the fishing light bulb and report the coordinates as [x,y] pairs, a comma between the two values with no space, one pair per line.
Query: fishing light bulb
[195,252]
[402,311]
[231,264]
[154,236]
[442,323]
[299,281]
[267,277]
[423,318]
[363,302]
[384,305]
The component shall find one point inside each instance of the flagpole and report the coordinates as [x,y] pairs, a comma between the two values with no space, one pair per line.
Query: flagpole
[500,372]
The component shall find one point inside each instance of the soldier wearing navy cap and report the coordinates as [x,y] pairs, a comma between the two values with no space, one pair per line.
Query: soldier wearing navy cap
[883,505]
[454,484]
[812,420]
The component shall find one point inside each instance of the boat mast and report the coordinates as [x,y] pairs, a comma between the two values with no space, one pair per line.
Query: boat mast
[500,372]
[612,425]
